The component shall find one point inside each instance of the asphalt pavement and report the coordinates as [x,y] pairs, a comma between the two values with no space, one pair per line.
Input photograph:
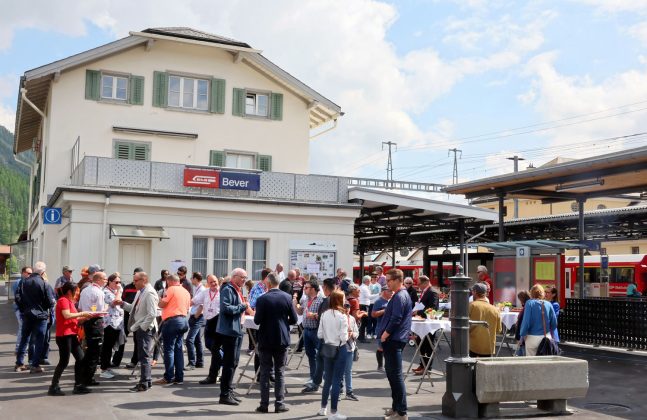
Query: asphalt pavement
[618,384]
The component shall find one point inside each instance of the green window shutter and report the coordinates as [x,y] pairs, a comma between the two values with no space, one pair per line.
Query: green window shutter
[160,89]
[140,151]
[217,104]
[136,90]
[276,110]
[238,108]
[122,150]
[264,163]
[92,84]
[217,158]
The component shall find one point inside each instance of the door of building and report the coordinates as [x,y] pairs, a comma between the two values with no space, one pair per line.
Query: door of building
[132,254]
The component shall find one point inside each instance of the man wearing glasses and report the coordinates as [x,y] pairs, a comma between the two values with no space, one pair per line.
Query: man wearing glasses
[230,332]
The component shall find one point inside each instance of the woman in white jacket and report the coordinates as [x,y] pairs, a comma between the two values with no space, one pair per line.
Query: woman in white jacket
[333,330]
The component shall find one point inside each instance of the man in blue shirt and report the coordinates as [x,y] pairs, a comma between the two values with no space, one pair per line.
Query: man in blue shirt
[378,314]
[394,333]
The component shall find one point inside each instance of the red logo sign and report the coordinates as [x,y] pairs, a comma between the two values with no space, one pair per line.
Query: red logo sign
[202,178]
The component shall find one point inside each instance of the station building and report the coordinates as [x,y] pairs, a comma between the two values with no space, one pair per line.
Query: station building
[173,146]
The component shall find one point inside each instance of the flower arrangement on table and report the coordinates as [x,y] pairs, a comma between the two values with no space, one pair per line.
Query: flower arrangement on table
[433,314]
[504,306]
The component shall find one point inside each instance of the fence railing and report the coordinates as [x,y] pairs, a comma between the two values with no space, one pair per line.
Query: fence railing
[614,322]
[122,174]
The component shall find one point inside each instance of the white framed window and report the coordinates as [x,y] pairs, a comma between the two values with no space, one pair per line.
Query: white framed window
[257,104]
[230,253]
[114,87]
[240,160]
[188,93]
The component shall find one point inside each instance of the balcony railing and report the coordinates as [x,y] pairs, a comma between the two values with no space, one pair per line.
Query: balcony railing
[121,174]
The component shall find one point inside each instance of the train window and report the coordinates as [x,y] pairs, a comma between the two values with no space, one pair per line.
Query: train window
[591,274]
[621,274]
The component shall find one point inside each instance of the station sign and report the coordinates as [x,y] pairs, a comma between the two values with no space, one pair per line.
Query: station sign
[212,178]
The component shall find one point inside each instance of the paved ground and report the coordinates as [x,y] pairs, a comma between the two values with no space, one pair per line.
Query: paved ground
[614,379]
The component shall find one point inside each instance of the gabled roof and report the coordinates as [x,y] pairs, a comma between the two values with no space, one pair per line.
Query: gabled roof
[37,81]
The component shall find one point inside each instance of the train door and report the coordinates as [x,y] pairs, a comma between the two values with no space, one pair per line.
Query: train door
[568,291]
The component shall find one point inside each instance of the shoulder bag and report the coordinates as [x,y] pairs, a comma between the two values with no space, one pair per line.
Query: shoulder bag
[547,346]
[330,351]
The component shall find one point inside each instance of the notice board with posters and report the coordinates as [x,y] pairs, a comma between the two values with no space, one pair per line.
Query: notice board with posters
[319,263]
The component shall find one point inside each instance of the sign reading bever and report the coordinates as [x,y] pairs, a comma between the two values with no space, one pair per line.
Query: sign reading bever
[212,178]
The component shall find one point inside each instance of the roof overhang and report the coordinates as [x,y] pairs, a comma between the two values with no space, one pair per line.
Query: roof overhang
[599,176]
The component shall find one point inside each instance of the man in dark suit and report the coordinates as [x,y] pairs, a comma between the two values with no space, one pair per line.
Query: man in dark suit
[274,315]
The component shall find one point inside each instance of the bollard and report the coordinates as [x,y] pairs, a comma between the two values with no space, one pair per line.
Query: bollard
[459,400]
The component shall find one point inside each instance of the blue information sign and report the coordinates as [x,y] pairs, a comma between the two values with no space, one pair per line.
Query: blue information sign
[52,216]
[240,181]
[604,261]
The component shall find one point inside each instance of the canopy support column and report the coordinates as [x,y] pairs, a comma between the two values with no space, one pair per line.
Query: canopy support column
[580,274]
[501,209]
[461,240]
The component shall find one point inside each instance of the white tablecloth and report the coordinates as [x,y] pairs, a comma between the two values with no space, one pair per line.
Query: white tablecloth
[429,326]
[249,322]
[509,318]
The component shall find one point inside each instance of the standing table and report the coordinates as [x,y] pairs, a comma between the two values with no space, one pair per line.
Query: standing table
[422,329]
[508,319]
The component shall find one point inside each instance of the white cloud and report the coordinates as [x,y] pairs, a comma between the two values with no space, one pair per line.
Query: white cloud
[639,31]
[340,48]
[616,6]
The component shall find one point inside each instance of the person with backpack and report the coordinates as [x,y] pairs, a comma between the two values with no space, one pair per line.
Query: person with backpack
[34,302]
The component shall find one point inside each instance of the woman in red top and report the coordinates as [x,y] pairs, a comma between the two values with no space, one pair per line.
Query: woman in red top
[67,340]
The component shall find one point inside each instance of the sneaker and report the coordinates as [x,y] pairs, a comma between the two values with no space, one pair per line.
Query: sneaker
[207,381]
[178,382]
[322,411]
[281,409]
[309,390]
[337,416]
[351,396]
[161,381]
[380,369]
[20,368]
[189,367]
[106,374]
[44,362]
[140,387]
[36,369]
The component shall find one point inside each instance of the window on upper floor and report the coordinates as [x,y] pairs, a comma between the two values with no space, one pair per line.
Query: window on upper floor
[189,93]
[176,91]
[240,160]
[114,87]
[257,104]
[132,150]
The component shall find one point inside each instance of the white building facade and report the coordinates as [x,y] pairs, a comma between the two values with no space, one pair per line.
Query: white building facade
[133,136]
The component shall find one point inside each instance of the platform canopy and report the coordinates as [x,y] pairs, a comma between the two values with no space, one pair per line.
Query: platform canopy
[390,220]
[599,176]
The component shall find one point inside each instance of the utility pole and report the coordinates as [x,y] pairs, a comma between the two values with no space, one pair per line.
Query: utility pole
[516,160]
[455,173]
[389,165]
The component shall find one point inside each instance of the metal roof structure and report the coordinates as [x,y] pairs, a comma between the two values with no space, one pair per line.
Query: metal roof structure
[390,220]
[536,244]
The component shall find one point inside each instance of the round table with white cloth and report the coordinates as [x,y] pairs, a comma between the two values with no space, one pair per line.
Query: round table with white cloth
[248,322]
[509,319]
[429,326]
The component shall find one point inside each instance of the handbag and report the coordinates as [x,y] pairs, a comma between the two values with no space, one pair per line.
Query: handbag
[547,346]
[329,351]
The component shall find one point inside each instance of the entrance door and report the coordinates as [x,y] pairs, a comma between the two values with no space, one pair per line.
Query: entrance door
[132,254]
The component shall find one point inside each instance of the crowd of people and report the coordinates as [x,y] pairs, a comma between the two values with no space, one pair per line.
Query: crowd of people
[94,315]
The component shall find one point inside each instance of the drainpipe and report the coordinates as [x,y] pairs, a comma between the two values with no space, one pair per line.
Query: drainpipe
[23,95]
[103,229]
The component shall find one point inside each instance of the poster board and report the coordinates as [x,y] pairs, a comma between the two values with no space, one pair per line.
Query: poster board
[319,263]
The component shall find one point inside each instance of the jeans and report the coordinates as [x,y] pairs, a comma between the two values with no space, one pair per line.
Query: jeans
[19,332]
[68,344]
[48,337]
[33,329]
[145,347]
[348,373]
[194,341]
[172,331]
[229,360]
[393,367]
[278,358]
[334,369]
[311,346]
[110,338]
[371,322]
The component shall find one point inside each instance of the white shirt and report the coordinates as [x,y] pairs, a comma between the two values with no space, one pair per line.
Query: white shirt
[282,275]
[194,305]
[364,295]
[92,296]
[210,302]
[333,328]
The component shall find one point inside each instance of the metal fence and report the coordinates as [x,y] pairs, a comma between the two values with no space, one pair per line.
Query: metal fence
[614,322]
[124,174]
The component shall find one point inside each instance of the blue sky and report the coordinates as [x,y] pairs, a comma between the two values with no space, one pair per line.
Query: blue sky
[428,74]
